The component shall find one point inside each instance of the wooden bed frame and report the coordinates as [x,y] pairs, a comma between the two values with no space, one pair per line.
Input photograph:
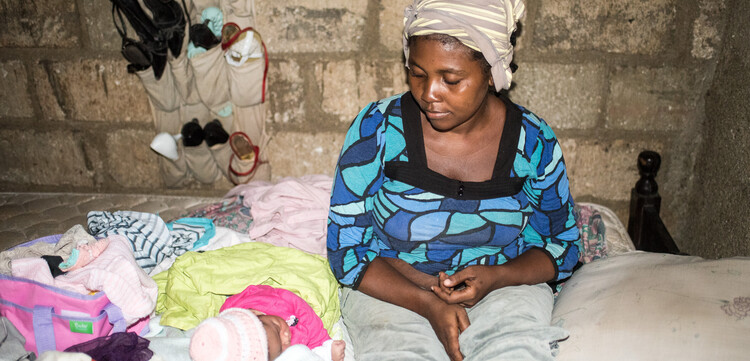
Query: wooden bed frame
[645,226]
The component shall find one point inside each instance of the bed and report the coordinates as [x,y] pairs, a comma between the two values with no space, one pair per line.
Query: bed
[636,296]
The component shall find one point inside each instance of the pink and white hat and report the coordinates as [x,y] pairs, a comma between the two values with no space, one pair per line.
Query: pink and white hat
[236,334]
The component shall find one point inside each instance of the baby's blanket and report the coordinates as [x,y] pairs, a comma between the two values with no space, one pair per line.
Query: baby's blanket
[197,284]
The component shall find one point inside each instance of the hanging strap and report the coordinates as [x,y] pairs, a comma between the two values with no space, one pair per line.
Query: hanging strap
[187,14]
[115,317]
[44,331]
[122,31]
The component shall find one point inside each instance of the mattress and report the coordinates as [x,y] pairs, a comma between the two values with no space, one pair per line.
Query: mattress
[27,216]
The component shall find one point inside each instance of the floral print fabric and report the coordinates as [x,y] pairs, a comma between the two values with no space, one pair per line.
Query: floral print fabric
[593,233]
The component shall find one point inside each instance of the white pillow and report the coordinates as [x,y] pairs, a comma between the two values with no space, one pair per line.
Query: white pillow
[653,306]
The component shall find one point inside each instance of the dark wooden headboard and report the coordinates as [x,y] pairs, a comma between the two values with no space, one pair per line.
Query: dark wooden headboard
[645,226]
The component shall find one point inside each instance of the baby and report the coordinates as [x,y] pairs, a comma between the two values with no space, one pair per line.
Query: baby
[260,324]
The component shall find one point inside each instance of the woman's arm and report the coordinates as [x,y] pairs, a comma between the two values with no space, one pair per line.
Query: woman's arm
[421,279]
[552,226]
[357,178]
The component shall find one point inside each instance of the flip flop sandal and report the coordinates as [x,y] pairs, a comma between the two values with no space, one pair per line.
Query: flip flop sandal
[243,149]
[229,33]
[242,146]
[247,45]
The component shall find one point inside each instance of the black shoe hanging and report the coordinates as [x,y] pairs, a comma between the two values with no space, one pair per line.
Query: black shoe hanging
[215,133]
[200,34]
[135,52]
[192,133]
[153,39]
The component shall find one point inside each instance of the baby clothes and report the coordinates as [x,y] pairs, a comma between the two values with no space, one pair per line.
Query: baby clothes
[51,246]
[290,213]
[12,342]
[190,233]
[117,346]
[83,254]
[306,327]
[195,287]
[303,353]
[148,234]
[150,238]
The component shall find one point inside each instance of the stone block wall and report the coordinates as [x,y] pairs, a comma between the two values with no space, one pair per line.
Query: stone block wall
[611,77]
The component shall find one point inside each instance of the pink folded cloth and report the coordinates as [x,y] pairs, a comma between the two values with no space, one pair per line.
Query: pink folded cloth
[290,213]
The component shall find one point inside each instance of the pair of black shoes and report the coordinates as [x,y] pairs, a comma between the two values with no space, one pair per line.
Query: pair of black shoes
[164,30]
[213,133]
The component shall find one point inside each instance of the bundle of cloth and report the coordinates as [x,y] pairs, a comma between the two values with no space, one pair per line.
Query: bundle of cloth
[189,275]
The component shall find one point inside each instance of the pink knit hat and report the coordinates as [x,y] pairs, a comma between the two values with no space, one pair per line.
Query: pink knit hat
[236,334]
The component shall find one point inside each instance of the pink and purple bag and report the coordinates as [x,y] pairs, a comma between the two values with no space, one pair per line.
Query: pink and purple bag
[52,318]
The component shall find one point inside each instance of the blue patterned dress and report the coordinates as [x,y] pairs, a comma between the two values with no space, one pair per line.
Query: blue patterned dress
[386,202]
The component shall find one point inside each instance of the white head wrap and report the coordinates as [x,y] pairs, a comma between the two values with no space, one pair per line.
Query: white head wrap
[482,25]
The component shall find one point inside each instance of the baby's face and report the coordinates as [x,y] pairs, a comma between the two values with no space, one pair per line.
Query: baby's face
[279,336]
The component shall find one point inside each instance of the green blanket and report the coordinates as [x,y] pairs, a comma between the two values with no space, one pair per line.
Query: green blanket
[197,284]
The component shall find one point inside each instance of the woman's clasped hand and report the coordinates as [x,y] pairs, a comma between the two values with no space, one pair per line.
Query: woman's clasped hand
[466,287]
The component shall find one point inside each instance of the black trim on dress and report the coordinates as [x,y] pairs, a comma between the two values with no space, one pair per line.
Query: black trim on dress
[416,173]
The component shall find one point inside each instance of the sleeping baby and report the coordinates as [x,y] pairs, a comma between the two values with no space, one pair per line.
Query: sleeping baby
[264,323]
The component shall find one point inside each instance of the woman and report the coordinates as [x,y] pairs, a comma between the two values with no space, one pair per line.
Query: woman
[450,209]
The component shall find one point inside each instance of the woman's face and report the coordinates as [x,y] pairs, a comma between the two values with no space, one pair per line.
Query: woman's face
[449,86]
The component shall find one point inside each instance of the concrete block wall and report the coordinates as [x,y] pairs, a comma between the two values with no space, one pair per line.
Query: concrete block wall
[611,77]
[721,218]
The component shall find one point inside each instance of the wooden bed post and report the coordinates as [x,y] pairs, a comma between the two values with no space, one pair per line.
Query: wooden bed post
[645,226]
